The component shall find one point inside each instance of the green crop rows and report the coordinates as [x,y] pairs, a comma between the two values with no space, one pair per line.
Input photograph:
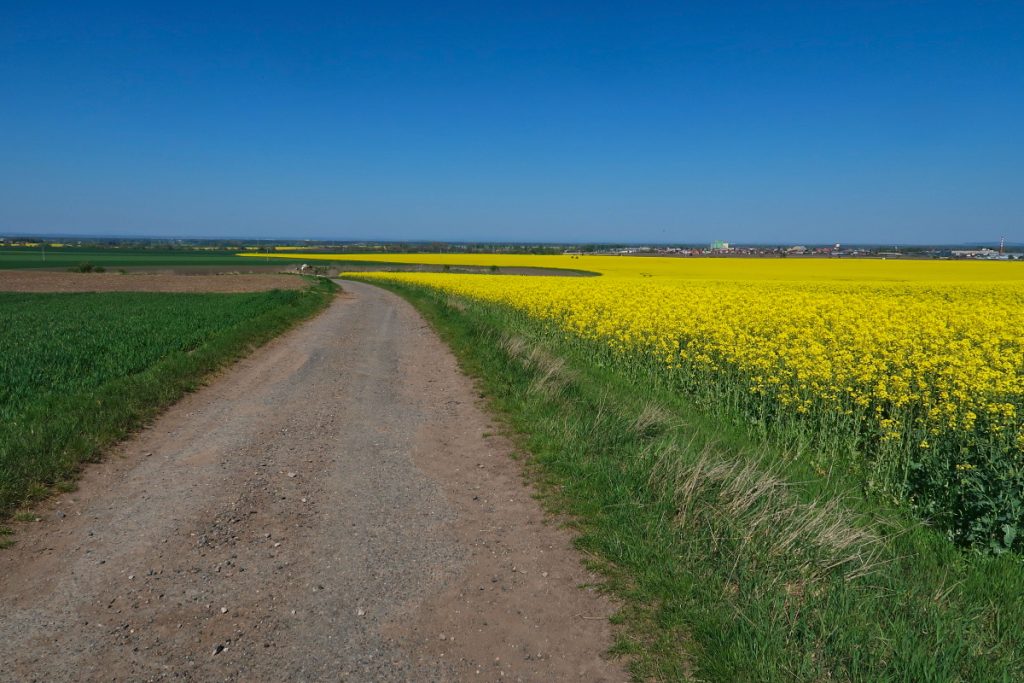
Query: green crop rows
[111,259]
[77,371]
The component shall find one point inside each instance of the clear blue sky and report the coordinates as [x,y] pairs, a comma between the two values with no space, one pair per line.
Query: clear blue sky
[744,121]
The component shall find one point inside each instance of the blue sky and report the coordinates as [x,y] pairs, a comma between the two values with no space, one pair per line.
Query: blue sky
[598,121]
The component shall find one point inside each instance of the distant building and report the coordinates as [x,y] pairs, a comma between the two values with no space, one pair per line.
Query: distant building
[985,253]
[719,246]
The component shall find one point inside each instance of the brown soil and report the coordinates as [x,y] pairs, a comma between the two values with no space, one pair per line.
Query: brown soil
[334,507]
[49,281]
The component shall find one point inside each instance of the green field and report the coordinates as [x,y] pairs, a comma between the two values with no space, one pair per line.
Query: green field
[64,258]
[79,371]
[111,259]
[732,559]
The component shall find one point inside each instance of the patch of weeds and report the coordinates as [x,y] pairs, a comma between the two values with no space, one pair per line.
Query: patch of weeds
[25,516]
[36,492]
[87,267]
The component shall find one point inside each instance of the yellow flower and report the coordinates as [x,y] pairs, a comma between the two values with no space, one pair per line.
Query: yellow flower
[902,348]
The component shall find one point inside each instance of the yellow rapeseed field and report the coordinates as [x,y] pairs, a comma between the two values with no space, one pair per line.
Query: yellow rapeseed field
[926,355]
[633,267]
[910,373]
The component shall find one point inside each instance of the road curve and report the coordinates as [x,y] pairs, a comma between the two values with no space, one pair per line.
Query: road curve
[333,507]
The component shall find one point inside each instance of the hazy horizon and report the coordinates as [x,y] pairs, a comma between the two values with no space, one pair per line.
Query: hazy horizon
[346,242]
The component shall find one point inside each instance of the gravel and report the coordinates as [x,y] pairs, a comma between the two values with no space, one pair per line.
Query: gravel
[191,542]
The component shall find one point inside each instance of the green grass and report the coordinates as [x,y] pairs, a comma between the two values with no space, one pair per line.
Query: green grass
[79,371]
[111,259]
[733,559]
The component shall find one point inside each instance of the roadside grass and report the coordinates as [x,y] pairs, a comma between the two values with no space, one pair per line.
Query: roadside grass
[80,371]
[733,560]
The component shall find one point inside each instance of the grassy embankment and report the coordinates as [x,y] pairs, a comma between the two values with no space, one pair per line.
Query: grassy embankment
[79,371]
[733,560]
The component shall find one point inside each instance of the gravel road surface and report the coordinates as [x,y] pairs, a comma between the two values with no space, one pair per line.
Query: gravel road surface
[332,508]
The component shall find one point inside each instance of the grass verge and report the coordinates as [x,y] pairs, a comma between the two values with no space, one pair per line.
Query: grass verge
[80,371]
[733,560]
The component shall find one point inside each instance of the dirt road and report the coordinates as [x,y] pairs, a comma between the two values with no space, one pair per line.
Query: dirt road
[331,508]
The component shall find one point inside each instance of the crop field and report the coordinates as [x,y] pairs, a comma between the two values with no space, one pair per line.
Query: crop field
[645,267]
[916,387]
[752,446]
[906,374]
[111,259]
[77,371]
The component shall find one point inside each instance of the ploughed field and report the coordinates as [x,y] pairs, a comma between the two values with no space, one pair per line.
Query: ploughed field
[49,281]
[51,257]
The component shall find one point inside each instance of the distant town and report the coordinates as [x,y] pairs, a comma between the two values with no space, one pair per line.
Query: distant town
[996,251]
